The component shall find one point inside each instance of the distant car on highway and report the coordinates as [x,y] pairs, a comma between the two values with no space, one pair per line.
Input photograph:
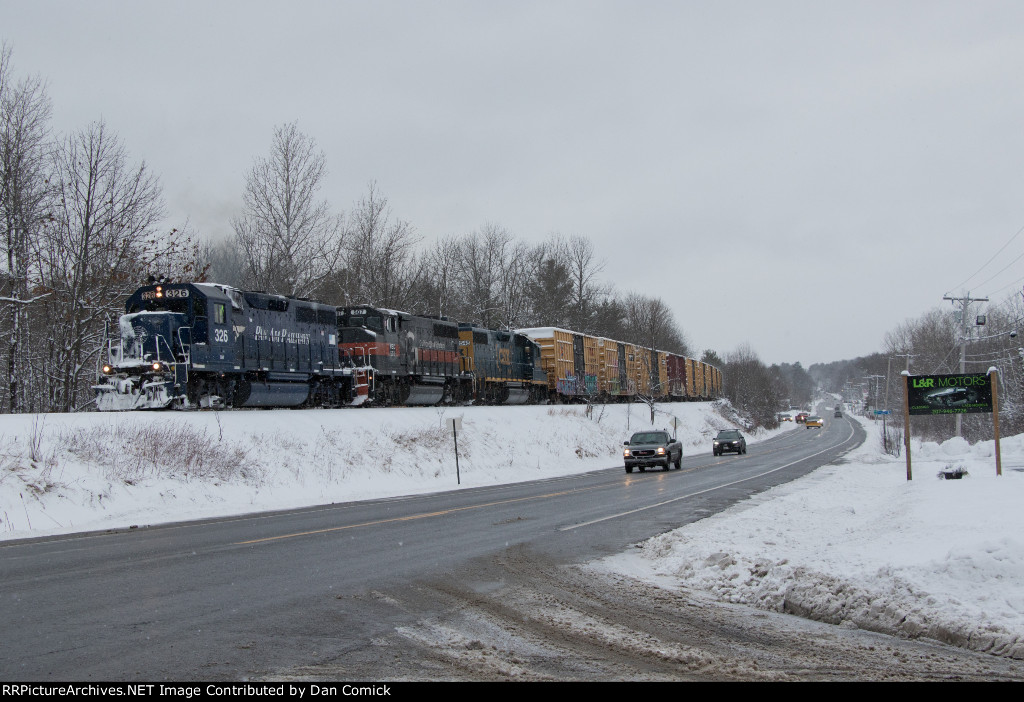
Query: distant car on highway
[814,422]
[839,413]
[802,417]
[729,440]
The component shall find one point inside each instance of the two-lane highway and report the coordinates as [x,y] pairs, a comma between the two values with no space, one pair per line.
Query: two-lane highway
[239,597]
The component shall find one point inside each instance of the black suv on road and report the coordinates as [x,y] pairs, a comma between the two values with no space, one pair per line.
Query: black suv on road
[728,440]
[652,448]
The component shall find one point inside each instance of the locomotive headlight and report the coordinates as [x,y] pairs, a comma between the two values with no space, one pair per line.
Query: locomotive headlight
[159,291]
[157,366]
[107,370]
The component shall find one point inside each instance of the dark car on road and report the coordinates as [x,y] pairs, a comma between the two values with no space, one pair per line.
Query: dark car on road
[729,440]
[646,449]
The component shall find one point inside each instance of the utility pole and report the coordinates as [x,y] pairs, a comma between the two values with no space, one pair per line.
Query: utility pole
[908,357]
[888,372]
[965,303]
[885,434]
[876,379]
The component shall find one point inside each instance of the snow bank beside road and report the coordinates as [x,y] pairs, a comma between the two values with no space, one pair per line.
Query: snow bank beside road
[858,545]
[77,472]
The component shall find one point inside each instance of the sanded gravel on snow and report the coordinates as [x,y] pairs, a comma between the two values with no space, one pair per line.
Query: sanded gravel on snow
[518,617]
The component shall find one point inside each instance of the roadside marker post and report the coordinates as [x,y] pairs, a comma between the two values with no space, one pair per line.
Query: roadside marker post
[906,420]
[456,423]
[993,373]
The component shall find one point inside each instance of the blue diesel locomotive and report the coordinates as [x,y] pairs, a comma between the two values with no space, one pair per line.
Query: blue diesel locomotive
[204,345]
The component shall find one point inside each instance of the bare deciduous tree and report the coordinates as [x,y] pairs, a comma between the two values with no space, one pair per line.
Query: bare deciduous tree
[380,253]
[584,267]
[752,387]
[99,243]
[439,283]
[291,242]
[480,271]
[24,116]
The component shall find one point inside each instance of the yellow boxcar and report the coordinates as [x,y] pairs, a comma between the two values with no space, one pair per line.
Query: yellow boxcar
[591,364]
[632,365]
[556,353]
[608,367]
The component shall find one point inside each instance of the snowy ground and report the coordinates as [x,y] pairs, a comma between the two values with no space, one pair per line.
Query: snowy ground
[854,544]
[857,545]
[77,472]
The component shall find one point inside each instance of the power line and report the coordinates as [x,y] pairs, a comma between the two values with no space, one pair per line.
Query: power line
[960,285]
[999,290]
[1002,269]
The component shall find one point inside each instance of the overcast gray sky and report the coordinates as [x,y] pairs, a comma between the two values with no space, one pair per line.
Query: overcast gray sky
[801,176]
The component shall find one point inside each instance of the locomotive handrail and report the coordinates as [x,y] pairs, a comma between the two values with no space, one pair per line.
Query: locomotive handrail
[170,350]
[186,349]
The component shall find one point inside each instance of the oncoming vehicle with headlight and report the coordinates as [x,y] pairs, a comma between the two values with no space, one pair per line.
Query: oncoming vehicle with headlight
[647,449]
[729,440]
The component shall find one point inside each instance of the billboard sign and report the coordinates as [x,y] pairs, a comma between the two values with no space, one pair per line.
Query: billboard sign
[949,394]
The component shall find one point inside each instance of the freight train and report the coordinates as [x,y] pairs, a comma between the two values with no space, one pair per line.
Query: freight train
[190,345]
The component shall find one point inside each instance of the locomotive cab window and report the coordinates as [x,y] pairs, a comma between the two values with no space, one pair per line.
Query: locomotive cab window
[219,313]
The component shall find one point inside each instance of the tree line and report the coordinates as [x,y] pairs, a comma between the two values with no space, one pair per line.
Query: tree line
[82,228]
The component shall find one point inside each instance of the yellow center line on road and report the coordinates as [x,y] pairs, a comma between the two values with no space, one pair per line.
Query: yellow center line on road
[424,515]
[441,513]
